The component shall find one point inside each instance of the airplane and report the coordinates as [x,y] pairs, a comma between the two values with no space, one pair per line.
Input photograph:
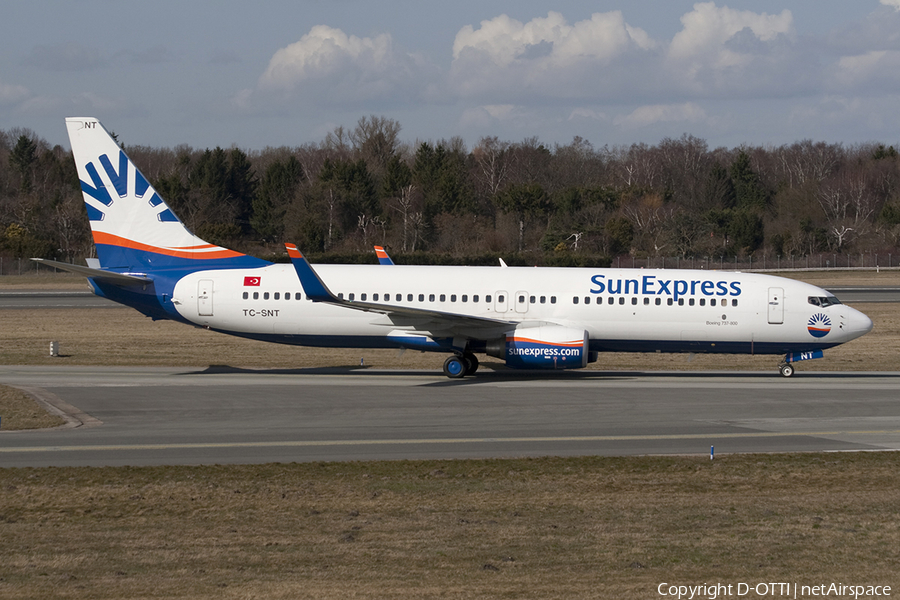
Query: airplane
[531,318]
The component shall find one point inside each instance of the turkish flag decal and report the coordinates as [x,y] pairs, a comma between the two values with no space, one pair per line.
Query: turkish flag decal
[252,280]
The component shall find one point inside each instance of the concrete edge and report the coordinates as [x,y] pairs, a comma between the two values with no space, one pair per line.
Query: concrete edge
[74,417]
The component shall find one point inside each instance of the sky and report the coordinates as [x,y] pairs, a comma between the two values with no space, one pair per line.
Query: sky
[286,72]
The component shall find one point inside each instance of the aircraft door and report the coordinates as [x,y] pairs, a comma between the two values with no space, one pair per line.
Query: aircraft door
[205,298]
[501,302]
[776,306]
[521,302]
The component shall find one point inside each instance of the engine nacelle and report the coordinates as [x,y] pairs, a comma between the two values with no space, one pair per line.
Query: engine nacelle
[546,347]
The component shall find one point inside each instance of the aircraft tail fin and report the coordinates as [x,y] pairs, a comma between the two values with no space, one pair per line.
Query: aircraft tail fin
[133,228]
[383,258]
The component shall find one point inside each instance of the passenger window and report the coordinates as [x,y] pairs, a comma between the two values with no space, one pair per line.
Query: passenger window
[374,297]
[621,300]
[421,297]
[522,300]
[276,296]
[409,297]
[488,298]
[681,302]
[734,302]
[574,299]
[691,302]
[431,297]
[465,298]
[611,300]
[443,297]
[362,297]
[256,295]
[341,295]
[297,296]
[712,301]
[287,295]
[351,297]
[599,300]
[246,295]
[646,301]
[475,298]
[500,299]
[399,297]
[552,299]
[702,301]
[265,295]
[634,300]
[658,301]
[531,300]
[543,299]
[670,302]
[452,297]
[587,299]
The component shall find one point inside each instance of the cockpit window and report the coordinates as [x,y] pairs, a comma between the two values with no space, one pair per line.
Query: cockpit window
[823,301]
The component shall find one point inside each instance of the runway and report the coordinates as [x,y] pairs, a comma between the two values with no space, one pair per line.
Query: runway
[158,416]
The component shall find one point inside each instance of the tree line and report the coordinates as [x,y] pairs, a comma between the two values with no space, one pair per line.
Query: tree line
[440,202]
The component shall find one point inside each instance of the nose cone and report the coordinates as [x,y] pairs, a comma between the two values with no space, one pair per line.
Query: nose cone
[858,324]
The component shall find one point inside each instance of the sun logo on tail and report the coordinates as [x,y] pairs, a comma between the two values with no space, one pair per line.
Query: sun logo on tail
[819,325]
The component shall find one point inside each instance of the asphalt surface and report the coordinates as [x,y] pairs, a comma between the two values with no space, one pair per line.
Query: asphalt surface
[154,416]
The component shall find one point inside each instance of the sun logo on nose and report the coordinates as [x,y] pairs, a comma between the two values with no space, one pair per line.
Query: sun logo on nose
[819,325]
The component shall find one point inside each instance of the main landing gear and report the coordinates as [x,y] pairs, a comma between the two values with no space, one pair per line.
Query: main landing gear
[786,369]
[456,366]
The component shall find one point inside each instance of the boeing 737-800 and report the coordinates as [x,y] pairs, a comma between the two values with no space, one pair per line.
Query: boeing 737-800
[552,318]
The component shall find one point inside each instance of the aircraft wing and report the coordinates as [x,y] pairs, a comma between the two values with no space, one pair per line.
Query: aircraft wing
[98,274]
[418,319]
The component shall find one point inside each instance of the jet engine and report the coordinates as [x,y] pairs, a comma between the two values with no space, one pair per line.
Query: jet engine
[545,347]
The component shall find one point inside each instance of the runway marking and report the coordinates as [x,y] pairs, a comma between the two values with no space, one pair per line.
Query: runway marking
[326,443]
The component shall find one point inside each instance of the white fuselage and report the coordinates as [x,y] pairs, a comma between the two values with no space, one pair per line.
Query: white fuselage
[620,309]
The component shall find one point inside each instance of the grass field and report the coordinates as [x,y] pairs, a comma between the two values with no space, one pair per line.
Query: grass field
[528,528]
[585,527]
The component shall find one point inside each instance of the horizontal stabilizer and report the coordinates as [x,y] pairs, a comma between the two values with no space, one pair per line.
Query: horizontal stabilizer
[98,274]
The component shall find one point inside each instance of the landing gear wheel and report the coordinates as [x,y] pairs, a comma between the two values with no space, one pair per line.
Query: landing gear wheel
[786,369]
[455,367]
[472,363]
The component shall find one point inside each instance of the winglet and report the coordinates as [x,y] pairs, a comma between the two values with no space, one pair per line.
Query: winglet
[383,258]
[315,289]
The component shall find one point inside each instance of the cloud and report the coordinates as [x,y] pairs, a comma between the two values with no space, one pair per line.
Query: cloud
[156,55]
[645,116]
[725,53]
[893,3]
[874,70]
[545,57]
[707,28]
[328,66]
[12,94]
[65,57]
[486,116]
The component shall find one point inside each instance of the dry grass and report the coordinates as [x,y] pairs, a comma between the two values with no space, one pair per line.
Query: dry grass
[18,410]
[536,528]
